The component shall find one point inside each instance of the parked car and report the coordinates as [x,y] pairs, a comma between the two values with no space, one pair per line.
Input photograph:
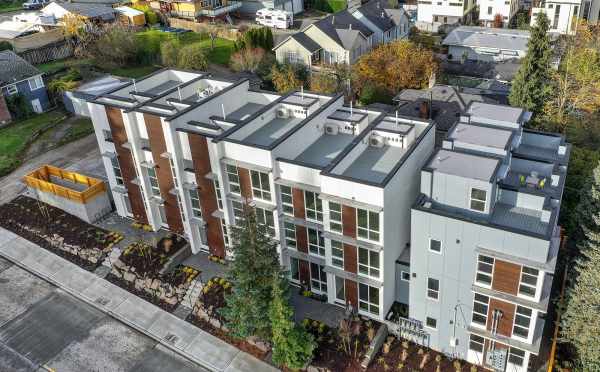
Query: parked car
[35,4]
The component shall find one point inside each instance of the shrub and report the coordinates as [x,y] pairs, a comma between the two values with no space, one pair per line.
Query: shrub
[247,59]
[117,46]
[258,38]
[288,77]
[169,51]
[5,45]
[192,57]
[18,106]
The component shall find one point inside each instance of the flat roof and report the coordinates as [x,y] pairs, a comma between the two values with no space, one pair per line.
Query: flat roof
[463,165]
[299,99]
[519,218]
[346,115]
[395,127]
[163,87]
[271,131]
[375,163]
[326,148]
[495,112]
[481,135]
[245,111]
[485,37]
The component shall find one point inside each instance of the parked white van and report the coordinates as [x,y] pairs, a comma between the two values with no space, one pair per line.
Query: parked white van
[274,18]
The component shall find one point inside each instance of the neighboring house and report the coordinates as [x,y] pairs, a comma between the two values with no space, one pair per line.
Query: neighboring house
[26,35]
[433,14]
[131,16]
[346,35]
[486,44]
[490,9]
[18,76]
[485,240]
[195,9]
[87,11]
[563,14]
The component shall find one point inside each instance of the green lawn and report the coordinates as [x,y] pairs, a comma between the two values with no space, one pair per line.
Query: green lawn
[10,6]
[55,66]
[134,72]
[15,138]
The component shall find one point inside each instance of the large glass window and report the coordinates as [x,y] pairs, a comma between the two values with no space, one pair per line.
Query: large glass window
[476,343]
[337,254]
[261,188]
[294,269]
[117,170]
[290,234]
[529,280]
[287,202]
[195,200]
[238,211]
[335,217]
[173,174]
[480,309]
[367,223]
[433,288]
[218,195]
[478,197]
[153,181]
[318,278]
[340,289]
[313,206]
[522,322]
[233,178]
[225,231]
[516,356]
[265,217]
[485,268]
[368,262]
[368,298]
[316,242]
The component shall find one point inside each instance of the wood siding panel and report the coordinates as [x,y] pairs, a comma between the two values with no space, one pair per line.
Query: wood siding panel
[206,192]
[298,203]
[350,258]
[508,315]
[301,239]
[352,292]
[349,221]
[245,184]
[506,277]
[117,129]
[304,273]
[163,172]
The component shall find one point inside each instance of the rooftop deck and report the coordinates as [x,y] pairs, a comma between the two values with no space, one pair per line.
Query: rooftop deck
[321,152]
[271,131]
[374,163]
[245,111]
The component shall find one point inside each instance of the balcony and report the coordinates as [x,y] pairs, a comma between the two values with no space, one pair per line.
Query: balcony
[209,11]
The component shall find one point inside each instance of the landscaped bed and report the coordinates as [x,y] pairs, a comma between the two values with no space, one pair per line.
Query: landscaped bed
[141,270]
[57,231]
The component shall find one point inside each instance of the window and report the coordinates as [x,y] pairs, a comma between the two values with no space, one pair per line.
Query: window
[337,254]
[128,209]
[485,268]
[522,322]
[335,217]
[489,10]
[476,343]
[431,322]
[180,206]
[117,170]
[172,165]
[291,57]
[529,280]
[313,206]
[290,234]
[286,200]
[294,269]
[556,15]
[368,262]
[318,278]
[36,83]
[516,356]
[260,185]
[107,134]
[218,195]
[225,232]
[480,309]
[316,242]
[433,288]
[367,224]
[153,182]
[233,178]
[12,89]
[368,298]
[478,197]
[435,246]
[265,217]
[238,211]
[163,215]
[195,200]
[404,275]
[340,289]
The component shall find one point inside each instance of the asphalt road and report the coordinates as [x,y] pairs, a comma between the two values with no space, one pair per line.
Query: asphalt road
[45,329]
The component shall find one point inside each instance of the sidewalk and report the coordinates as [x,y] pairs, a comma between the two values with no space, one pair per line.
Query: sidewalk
[172,332]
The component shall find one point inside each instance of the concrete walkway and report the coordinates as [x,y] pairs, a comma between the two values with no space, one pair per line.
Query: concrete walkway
[172,332]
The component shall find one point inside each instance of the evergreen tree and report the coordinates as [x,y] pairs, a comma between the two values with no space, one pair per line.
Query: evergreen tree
[580,321]
[530,87]
[292,345]
[256,261]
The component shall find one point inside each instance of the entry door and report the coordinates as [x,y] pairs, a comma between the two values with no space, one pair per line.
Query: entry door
[36,105]
[340,290]
[318,278]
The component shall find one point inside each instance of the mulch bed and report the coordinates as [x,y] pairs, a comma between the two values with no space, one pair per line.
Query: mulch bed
[31,219]
[147,259]
[130,287]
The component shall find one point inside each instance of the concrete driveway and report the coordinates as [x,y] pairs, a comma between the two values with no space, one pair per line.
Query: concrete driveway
[43,328]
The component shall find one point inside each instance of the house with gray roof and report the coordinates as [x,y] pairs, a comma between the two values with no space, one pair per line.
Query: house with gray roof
[344,36]
[87,11]
[486,44]
[19,77]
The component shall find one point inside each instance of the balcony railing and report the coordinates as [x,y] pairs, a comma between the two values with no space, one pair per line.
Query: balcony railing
[209,11]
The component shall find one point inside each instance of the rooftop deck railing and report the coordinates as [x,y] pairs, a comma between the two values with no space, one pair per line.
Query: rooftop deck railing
[41,179]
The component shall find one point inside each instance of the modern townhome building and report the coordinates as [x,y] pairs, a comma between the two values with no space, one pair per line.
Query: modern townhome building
[334,184]
[485,240]
[563,14]
[432,14]
[19,77]
[489,10]
[486,44]
[346,35]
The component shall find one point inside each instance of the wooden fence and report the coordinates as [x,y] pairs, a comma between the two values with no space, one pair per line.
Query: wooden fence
[52,52]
